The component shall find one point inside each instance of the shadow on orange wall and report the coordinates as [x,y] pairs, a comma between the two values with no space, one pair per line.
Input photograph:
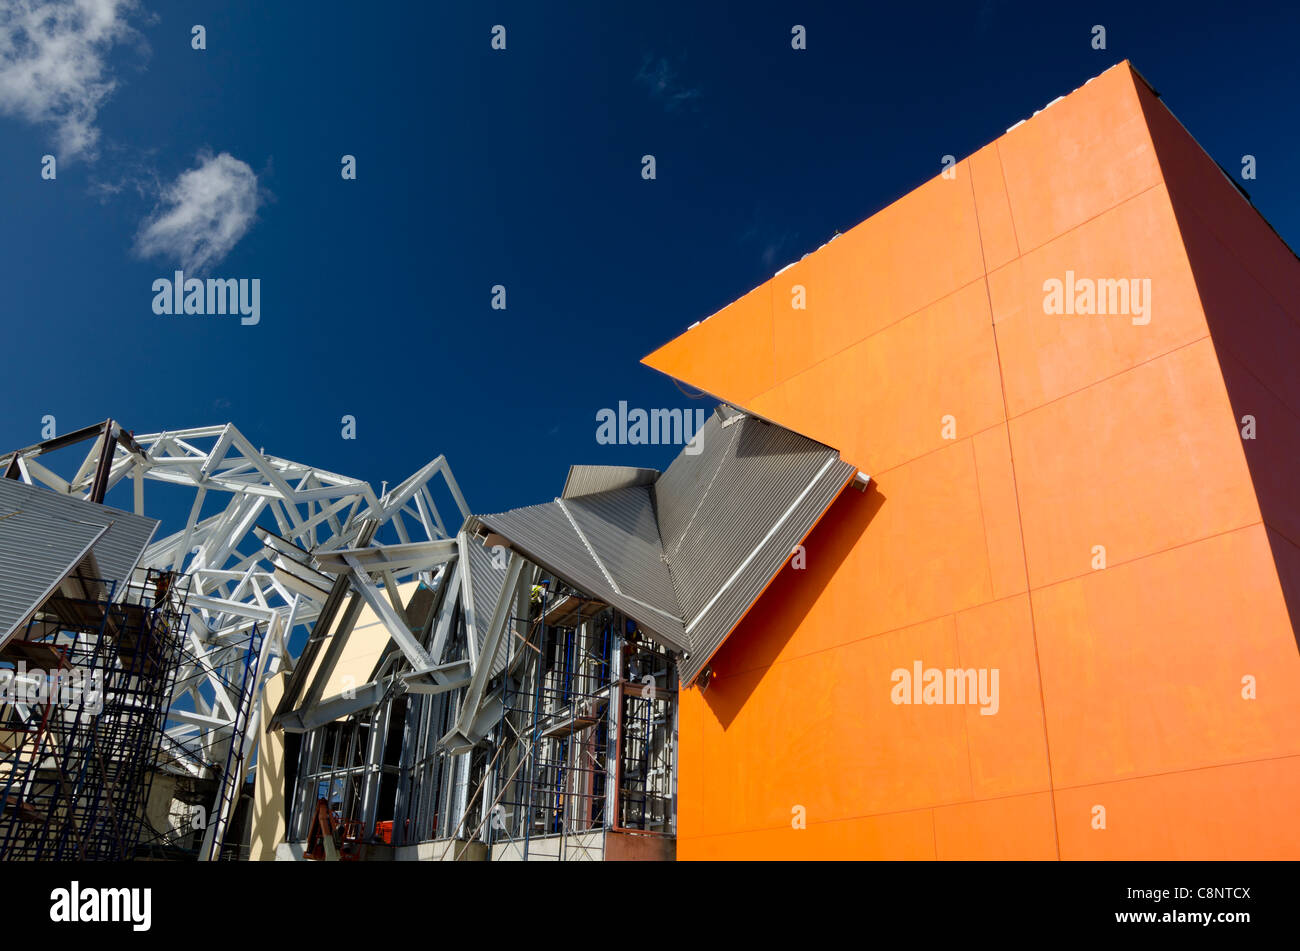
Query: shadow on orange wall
[758,639]
[1249,284]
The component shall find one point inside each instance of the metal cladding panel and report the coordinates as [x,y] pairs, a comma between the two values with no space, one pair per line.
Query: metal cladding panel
[716,621]
[588,480]
[732,513]
[37,551]
[486,580]
[621,528]
[544,535]
[727,500]
[687,556]
[687,477]
[117,552]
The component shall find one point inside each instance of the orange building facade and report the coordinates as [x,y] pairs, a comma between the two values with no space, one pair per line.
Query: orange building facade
[1092,494]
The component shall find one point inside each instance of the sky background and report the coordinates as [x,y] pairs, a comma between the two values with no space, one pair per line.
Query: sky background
[521,168]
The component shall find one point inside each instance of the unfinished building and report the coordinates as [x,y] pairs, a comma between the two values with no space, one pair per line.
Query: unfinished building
[232,587]
[506,692]
[87,661]
[533,714]
[1091,507]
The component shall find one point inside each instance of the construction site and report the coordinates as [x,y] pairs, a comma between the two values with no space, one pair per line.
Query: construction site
[505,691]
[915,467]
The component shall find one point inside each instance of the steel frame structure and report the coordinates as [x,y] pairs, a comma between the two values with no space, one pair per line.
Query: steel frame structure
[587,742]
[251,587]
[462,690]
[574,737]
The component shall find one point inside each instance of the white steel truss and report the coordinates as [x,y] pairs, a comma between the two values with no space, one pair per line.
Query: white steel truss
[243,576]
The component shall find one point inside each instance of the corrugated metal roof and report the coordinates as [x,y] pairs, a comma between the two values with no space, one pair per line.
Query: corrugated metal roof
[117,553]
[588,480]
[608,545]
[37,551]
[554,535]
[731,515]
[486,578]
[687,555]
[621,528]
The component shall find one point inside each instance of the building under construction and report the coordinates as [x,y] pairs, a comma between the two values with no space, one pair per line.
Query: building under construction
[520,702]
[1074,558]
[507,691]
[88,660]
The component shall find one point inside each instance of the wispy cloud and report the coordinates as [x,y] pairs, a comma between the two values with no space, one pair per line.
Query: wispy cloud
[53,68]
[663,81]
[126,169]
[776,244]
[203,214]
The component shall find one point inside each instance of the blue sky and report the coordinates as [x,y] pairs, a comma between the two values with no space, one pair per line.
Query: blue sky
[521,168]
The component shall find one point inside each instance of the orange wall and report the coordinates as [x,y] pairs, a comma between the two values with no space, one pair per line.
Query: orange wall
[1249,285]
[1119,687]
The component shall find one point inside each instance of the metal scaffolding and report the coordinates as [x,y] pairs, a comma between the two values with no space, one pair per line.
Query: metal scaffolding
[271,548]
[580,742]
[586,740]
[89,684]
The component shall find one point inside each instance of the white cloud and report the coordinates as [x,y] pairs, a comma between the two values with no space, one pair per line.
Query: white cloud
[203,213]
[52,64]
[661,79]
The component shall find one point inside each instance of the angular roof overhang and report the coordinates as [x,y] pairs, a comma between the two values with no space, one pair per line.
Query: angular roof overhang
[687,553]
[44,536]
